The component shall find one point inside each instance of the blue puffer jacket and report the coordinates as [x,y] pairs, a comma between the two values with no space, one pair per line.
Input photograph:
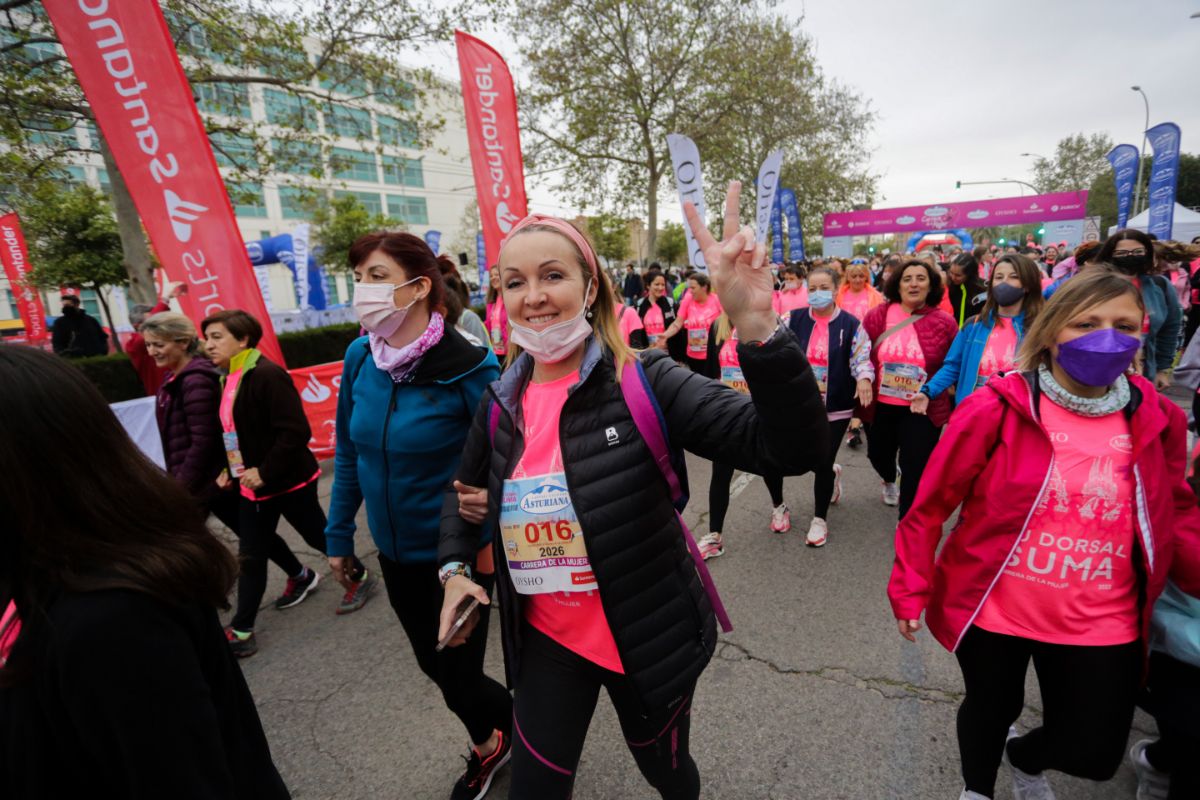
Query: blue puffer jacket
[1175,626]
[961,366]
[399,444]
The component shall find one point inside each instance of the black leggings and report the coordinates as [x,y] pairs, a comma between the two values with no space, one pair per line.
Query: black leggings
[1088,696]
[823,479]
[718,493]
[1174,700]
[556,694]
[896,429]
[415,592]
[259,541]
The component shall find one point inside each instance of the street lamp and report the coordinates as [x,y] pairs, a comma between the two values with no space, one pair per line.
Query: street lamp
[1034,155]
[1137,193]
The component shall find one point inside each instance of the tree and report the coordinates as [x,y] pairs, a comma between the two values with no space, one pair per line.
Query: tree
[464,242]
[610,236]
[337,224]
[73,241]
[225,46]
[1078,160]
[672,243]
[611,78]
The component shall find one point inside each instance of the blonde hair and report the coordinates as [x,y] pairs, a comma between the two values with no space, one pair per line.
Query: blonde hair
[174,328]
[603,312]
[724,329]
[1094,286]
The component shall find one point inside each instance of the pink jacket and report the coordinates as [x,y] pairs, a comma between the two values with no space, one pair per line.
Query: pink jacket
[994,458]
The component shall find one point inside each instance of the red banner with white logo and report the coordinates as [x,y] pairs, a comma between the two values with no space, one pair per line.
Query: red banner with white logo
[125,60]
[16,266]
[318,387]
[491,113]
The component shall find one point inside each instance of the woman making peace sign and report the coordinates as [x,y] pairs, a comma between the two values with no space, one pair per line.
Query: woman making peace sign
[617,602]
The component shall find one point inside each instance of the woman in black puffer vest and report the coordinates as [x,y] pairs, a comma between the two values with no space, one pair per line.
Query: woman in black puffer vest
[595,580]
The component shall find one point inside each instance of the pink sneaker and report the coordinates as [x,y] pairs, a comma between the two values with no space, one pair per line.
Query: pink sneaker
[781,519]
[710,546]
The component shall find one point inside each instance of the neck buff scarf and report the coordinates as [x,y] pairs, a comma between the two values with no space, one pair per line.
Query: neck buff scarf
[1116,398]
[399,362]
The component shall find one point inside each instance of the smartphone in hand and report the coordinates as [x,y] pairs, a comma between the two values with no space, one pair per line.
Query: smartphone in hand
[465,609]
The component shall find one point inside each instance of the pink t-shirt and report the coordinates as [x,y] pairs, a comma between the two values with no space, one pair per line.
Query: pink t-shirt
[497,326]
[629,321]
[856,304]
[538,522]
[818,352]
[901,361]
[731,366]
[654,323]
[999,354]
[785,302]
[1071,579]
[697,317]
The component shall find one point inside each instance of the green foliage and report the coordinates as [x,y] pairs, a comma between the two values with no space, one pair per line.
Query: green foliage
[1078,160]
[73,239]
[1102,193]
[336,224]
[610,236]
[113,375]
[317,345]
[672,244]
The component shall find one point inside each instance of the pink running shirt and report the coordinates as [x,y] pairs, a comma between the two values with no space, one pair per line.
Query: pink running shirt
[697,317]
[629,322]
[1071,579]
[731,366]
[1000,352]
[785,302]
[654,324]
[856,304]
[818,352]
[901,361]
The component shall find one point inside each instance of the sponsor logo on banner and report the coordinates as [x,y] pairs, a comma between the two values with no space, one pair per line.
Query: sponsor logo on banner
[765,188]
[1164,178]
[1119,157]
[977,214]
[949,215]
[494,137]
[127,66]
[319,387]
[689,182]
[16,267]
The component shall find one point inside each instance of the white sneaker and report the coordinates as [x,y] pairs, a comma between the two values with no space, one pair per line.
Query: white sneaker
[781,519]
[818,531]
[710,546]
[1152,784]
[972,796]
[1024,785]
[891,494]
[837,484]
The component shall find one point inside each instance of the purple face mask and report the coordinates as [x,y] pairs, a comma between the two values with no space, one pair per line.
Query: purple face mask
[1098,358]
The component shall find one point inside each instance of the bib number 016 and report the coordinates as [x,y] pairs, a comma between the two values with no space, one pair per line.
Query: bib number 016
[551,532]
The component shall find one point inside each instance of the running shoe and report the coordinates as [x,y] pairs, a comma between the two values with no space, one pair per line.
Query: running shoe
[298,589]
[1026,786]
[1152,784]
[242,644]
[971,796]
[477,779]
[891,494]
[781,519]
[818,532]
[837,484]
[356,596]
[710,546]
[855,438]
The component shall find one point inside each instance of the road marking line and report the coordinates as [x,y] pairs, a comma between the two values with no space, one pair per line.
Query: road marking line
[740,483]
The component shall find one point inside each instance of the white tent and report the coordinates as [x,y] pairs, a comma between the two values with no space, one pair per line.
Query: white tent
[1184,227]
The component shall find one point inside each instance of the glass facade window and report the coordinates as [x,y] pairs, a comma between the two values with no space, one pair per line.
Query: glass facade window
[397,132]
[354,165]
[401,171]
[233,150]
[285,108]
[87,298]
[51,131]
[294,202]
[396,92]
[247,199]
[342,120]
[102,179]
[343,78]
[230,99]
[297,158]
[370,200]
[411,210]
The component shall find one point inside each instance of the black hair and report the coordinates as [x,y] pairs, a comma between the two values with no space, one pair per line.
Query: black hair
[891,289]
[1110,245]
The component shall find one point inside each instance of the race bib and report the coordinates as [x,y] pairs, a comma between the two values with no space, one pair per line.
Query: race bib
[697,340]
[542,538]
[653,337]
[821,373]
[497,336]
[234,454]
[901,381]
[732,376]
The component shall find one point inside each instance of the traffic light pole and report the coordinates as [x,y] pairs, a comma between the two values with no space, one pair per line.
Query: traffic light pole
[960,184]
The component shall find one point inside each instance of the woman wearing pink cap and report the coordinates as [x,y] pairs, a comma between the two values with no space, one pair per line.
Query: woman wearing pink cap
[596,585]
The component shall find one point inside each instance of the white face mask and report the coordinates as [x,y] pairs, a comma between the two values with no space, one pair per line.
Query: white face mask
[375,305]
[555,343]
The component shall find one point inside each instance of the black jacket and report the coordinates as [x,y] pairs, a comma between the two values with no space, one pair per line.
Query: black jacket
[660,616]
[76,334]
[132,699]
[273,432]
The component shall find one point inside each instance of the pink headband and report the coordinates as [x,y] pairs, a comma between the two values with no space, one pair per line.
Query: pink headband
[563,227]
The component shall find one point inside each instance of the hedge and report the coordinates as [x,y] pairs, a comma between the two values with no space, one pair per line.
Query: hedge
[116,379]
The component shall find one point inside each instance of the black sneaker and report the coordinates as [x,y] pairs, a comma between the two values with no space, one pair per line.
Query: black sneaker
[298,589]
[855,440]
[476,781]
[243,645]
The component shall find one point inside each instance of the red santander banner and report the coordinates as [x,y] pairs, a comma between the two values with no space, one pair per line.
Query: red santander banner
[318,387]
[16,266]
[125,60]
[491,112]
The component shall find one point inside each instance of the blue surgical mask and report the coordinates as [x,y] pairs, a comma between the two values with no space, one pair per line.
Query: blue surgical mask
[821,298]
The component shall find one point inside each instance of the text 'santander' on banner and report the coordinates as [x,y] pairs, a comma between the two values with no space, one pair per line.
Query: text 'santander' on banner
[15,256]
[125,60]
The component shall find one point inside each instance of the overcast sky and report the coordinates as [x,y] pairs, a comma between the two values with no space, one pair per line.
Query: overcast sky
[963,87]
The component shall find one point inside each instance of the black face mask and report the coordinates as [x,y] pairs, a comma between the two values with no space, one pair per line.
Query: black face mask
[69,309]
[1130,265]
[1006,294]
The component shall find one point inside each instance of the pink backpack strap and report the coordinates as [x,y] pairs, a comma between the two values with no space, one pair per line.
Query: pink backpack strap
[493,421]
[650,424]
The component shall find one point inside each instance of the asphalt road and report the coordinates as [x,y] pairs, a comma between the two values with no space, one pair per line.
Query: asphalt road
[814,695]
